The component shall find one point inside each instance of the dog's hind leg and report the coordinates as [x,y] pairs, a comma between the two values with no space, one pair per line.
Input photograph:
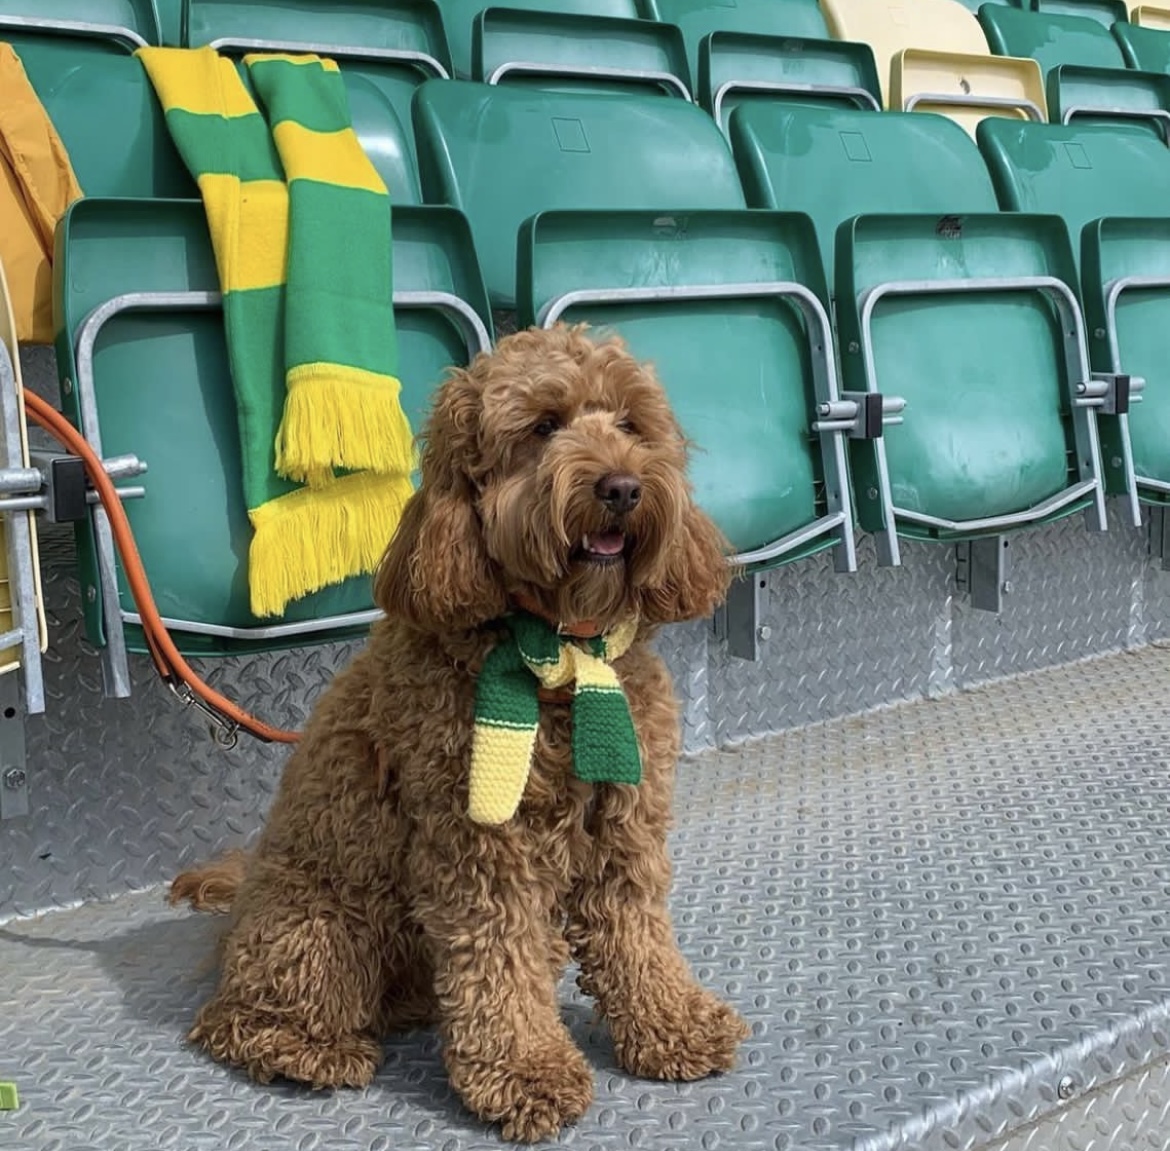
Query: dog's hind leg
[301,983]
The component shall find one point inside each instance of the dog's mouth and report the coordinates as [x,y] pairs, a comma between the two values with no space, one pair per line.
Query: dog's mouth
[603,548]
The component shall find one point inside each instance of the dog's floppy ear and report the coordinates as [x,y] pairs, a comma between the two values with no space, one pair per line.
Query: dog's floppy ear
[695,575]
[436,573]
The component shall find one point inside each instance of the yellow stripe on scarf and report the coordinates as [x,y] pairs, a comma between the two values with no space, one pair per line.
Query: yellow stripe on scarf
[200,82]
[253,214]
[328,157]
[501,758]
[499,772]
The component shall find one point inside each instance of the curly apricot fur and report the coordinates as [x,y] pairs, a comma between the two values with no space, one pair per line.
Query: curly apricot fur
[371,901]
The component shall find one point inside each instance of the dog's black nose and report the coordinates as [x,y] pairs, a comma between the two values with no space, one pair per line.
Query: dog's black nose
[620,493]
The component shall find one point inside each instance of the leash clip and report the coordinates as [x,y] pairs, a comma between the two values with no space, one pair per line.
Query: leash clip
[225,732]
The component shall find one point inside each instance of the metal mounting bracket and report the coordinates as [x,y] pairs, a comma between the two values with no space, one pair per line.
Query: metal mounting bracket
[1159,535]
[982,571]
[737,621]
[1111,393]
[860,415]
[66,495]
[13,764]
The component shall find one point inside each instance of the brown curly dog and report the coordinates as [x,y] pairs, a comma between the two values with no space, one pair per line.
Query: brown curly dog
[553,476]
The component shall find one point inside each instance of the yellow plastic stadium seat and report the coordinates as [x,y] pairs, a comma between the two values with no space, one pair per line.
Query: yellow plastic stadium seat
[1148,16]
[967,88]
[10,657]
[891,26]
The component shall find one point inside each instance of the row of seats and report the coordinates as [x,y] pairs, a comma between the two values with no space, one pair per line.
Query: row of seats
[106,112]
[629,211]
[934,54]
[626,208]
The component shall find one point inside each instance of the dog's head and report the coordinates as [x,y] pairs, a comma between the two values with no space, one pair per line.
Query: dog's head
[553,469]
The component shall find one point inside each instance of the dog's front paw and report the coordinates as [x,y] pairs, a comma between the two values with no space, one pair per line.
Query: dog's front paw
[687,1037]
[532,1098]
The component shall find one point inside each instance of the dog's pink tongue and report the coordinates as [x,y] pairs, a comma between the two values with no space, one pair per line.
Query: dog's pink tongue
[608,543]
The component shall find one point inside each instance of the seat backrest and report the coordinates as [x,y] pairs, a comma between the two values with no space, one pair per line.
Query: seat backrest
[1105,12]
[1049,38]
[937,25]
[459,19]
[1078,171]
[968,88]
[836,163]
[569,51]
[1125,94]
[161,388]
[1144,48]
[107,116]
[384,51]
[502,154]
[735,68]
[699,18]
[403,31]
[129,23]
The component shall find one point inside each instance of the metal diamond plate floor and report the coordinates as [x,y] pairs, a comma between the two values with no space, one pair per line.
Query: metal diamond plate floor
[948,923]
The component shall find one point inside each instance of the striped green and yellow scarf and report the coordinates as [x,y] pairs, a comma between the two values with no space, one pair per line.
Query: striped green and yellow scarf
[300,225]
[507,712]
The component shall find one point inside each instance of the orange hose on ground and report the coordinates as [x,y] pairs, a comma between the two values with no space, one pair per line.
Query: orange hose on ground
[171,665]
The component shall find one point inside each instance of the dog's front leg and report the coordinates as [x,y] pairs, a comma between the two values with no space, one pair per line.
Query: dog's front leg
[487,918]
[664,1024]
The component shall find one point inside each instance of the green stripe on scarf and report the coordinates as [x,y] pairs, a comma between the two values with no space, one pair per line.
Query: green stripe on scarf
[300,224]
[507,712]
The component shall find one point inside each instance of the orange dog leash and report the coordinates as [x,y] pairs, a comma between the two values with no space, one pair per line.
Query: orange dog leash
[171,666]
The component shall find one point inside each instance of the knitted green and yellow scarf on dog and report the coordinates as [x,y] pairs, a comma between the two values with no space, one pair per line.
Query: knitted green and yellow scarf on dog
[507,712]
[300,225]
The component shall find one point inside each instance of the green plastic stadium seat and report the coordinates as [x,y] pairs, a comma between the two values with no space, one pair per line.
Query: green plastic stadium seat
[1105,12]
[402,31]
[503,153]
[964,316]
[105,111]
[988,434]
[129,24]
[1096,176]
[973,6]
[1100,94]
[153,374]
[731,307]
[1126,273]
[459,19]
[1049,38]
[1145,48]
[834,162]
[737,68]
[567,51]
[384,49]
[1080,172]
[699,18]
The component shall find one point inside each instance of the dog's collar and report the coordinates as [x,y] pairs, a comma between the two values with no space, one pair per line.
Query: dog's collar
[584,629]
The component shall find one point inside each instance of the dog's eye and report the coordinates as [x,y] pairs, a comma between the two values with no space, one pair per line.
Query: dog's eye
[627,426]
[546,427]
